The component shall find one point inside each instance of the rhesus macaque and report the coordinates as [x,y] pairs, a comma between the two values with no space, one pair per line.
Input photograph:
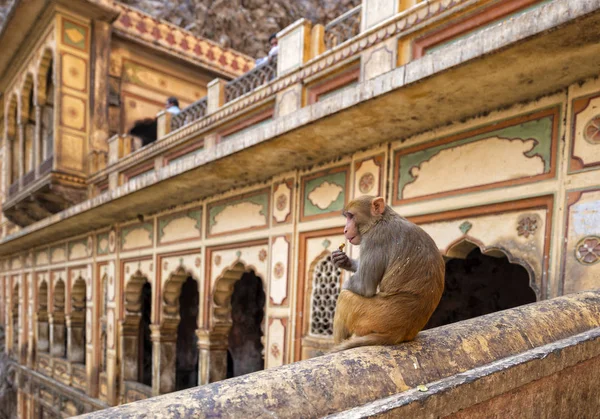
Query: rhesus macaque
[398,257]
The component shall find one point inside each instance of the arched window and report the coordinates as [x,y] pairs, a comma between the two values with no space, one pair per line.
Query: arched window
[13,141]
[186,362]
[145,344]
[103,320]
[325,290]
[47,138]
[478,284]
[58,333]
[42,318]
[77,323]
[15,320]
[29,129]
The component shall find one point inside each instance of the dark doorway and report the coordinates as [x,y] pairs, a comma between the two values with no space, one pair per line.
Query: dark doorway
[479,285]
[247,313]
[186,362]
[145,344]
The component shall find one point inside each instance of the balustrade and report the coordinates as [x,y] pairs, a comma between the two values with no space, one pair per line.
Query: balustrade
[253,79]
[192,113]
[343,28]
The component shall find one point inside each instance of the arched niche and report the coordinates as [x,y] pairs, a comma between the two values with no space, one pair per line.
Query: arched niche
[103,321]
[135,335]
[43,332]
[28,119]
[15,320]
[178,340]
[480,281]
[76,325]
[234,288]
[13,140]
[58,333]
[45,99]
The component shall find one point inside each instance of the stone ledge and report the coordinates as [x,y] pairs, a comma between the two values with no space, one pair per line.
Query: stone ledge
[396,103]
[338,382]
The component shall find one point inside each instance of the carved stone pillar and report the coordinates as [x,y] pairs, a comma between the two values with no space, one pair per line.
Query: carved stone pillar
[129,330]
[57,334]
[212,346]
[164,353]
[76,337]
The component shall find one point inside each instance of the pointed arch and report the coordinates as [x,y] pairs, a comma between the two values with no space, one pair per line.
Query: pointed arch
[76,332]
[45,74]
[13,142]
[15,320]
[45,99]
[42,318]
[28,119]
[463,246]
[28,98]
[323,290]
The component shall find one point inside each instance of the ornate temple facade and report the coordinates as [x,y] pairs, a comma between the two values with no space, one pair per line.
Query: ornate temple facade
[128,272]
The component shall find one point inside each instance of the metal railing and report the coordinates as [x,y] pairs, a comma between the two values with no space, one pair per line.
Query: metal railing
[46,165]
[193,112]
[256,77]
[13,188]
[343,28]
[28,178]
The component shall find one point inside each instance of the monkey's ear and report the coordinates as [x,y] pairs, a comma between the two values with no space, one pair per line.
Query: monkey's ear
[377,206]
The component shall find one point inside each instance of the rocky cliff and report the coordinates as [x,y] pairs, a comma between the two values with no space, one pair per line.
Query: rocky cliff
[244,25]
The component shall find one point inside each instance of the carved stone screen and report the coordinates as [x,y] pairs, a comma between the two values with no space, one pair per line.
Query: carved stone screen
[325,290]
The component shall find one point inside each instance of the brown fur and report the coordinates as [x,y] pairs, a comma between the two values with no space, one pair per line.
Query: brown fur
[403,261]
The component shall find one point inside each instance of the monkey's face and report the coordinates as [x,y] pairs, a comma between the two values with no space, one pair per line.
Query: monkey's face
[351,230]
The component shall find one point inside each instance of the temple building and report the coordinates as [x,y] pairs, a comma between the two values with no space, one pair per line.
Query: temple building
[129,271]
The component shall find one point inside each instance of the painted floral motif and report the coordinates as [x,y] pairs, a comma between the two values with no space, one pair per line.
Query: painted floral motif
[197,262]
[326,243]
[262,255]
[217,260]
[275,351]
[366,183]
[587,250]
[527,227]
[591,132]
[165,265]
[278,270]
[281,202]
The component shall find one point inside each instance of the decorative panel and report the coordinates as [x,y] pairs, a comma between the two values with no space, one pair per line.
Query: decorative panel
[244,213]
[282,201]
[368,176]
[585,141]
[581,252]
[276,338]
[325,193]
[137,236]
[514,151]
[280,257]
[181,226]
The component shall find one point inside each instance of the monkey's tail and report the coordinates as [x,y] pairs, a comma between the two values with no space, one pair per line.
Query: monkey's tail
[368,340]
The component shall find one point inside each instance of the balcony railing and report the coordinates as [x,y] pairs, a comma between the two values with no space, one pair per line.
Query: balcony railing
[46,165]
[342,28]
[193,112]
[28,178]
[256,77]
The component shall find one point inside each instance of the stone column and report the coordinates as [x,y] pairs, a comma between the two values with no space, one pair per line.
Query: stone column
[212,347]
[75,337]
[164,353]
[129,330]
[57,334]
[101,52]
[216,95]
[294,46]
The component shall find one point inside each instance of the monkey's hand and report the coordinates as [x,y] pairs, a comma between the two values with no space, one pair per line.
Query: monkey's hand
[342,261]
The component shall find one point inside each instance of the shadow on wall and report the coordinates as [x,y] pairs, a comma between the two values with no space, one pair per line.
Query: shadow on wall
[479,285]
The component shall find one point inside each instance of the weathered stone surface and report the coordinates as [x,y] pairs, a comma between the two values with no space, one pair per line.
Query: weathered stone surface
[340,381]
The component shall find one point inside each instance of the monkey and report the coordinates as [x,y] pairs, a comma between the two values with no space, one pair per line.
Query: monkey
[398,280]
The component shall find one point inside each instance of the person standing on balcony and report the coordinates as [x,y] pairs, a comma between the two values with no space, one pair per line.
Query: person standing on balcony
[172,105]
[272,52]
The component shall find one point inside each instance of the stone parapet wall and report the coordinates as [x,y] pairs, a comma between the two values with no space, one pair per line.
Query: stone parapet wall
[562,332]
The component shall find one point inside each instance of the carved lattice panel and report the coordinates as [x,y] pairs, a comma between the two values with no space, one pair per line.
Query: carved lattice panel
[325,290]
